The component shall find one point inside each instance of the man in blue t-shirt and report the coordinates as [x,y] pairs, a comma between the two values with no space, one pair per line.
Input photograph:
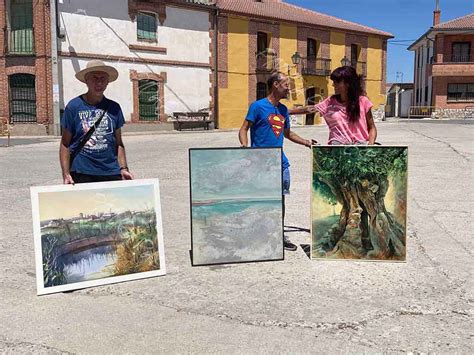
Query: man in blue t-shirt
[269,121]
[102,157]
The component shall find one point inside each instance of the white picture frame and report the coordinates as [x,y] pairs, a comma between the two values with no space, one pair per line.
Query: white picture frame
[133,216]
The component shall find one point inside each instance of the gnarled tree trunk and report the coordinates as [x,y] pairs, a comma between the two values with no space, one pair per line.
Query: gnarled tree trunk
[366,229]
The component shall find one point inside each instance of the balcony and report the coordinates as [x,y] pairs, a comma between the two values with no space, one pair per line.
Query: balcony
[21,42]
[316,66]
[360,67]
[464,58]
[266,62]
[454,65]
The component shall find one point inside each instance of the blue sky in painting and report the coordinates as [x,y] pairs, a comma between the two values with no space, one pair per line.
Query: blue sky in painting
[235,173]
[67,204]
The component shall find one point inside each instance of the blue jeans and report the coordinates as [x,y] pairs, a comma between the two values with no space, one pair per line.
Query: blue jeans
[286,181]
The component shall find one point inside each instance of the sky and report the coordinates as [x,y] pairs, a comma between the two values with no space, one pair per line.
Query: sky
[405,19]
[235,173]
[68,204]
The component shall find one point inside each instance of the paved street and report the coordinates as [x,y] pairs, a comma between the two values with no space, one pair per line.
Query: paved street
[296,305]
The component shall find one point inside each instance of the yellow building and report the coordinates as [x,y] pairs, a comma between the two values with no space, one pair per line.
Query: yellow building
[256,38]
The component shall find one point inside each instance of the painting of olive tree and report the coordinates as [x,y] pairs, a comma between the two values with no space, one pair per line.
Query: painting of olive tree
[358,202]
[236,205]
[94,234]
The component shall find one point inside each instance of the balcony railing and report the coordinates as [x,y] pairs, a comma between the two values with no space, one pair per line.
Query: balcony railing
[266,62]
[463,58]
[21,42]
[360,67]
[316,66]
[455,58]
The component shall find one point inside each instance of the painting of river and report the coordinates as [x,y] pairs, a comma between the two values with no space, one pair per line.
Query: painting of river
[236,205]
[94,234]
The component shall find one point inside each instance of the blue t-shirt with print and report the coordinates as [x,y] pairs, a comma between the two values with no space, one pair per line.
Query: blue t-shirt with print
[268,125]
[99,155]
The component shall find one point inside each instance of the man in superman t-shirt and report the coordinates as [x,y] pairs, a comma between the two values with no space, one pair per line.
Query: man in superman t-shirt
[269,122]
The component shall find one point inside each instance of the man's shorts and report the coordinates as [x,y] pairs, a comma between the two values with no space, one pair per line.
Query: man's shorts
[286,181]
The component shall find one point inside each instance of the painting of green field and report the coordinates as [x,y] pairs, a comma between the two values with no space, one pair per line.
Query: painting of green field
[97,232]
[359,202]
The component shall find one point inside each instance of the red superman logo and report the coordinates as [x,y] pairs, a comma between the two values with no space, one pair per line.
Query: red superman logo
[277,122]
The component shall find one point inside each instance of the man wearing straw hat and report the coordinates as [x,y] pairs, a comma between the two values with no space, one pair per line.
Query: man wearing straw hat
[91,147]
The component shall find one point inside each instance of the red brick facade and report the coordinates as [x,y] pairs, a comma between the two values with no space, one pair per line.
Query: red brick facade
[447,71]
[222,63]
[38,64]
[273,31]
[440,92]
[361,41]
[323,37]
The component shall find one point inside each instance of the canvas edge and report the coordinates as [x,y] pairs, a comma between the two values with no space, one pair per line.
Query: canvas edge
[92,186]
[311,168]
[40,289]
[159,224]
[102,282]
[190,150]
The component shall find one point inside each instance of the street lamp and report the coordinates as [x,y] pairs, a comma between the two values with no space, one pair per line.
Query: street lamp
[345,62]
[295,59]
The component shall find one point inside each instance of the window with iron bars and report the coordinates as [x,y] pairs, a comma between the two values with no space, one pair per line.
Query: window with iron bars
[148,100]
[22,98]
[261,90]
[461,92]
[461,52]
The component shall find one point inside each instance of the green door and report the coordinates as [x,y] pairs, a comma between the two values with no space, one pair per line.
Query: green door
[21,27]
[148,100]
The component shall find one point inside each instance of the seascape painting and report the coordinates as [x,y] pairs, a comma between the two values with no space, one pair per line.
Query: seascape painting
[359,203]
[236,205]
[94,234]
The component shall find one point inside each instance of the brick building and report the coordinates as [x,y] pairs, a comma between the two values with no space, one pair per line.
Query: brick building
[168,54]
[257,37]
[444,68]
[25,65]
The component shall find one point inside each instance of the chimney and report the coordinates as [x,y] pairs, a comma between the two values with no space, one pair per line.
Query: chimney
[436,14]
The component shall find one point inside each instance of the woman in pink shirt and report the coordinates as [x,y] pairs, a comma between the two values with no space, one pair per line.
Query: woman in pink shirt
[348,112]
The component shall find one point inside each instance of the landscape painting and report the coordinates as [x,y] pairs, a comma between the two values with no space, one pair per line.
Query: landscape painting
[359,202]
[95,234]
[236,205]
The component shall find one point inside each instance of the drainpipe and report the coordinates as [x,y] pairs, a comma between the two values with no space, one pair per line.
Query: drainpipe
[434,53]
[216,68]
[54,63]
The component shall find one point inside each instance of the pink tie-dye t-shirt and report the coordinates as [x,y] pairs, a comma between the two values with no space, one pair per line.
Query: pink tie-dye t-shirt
[337,119]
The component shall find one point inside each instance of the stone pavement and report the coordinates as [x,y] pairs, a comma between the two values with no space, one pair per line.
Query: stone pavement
[296,305]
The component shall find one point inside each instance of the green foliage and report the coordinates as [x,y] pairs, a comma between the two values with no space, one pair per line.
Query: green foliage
[69,231]
[353,163]
[53,274]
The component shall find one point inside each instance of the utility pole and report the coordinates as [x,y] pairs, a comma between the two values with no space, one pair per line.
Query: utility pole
[54,65]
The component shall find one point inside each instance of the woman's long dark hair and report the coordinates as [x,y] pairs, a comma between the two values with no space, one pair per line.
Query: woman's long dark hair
[355,83]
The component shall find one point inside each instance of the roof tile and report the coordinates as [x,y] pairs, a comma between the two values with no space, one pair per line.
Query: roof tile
[279,10]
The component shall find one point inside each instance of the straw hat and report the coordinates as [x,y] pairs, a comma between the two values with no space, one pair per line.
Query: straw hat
[97,65]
